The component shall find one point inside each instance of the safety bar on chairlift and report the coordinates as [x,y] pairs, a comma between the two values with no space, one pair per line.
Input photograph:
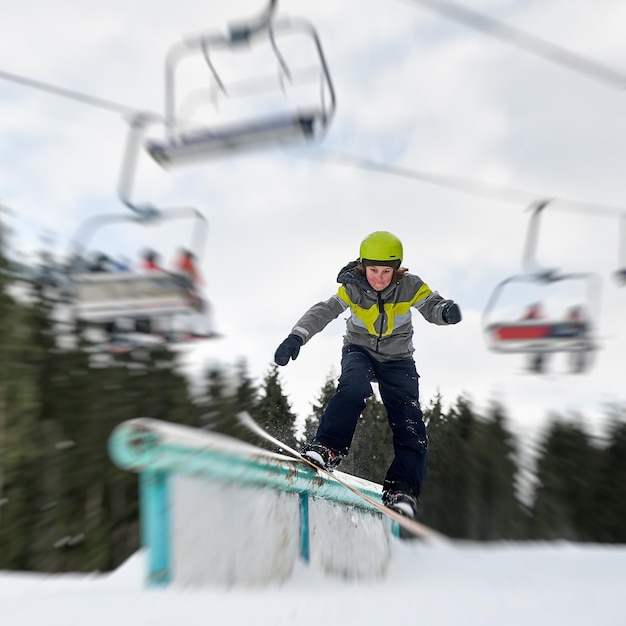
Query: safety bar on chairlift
[200,43]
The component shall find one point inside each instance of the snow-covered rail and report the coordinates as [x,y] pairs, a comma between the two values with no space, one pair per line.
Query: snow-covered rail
[215,510]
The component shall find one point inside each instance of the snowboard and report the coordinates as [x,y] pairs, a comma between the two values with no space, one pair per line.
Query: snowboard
[409,528]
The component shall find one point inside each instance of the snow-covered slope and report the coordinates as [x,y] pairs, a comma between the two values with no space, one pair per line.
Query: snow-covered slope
[465,584]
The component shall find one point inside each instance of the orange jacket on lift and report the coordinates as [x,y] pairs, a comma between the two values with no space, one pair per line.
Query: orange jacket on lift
[186,265]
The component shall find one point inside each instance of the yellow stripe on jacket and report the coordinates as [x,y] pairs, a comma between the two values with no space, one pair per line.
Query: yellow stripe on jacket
[394,311]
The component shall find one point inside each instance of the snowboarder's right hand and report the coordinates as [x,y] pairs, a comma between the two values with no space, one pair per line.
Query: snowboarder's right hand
[288,349]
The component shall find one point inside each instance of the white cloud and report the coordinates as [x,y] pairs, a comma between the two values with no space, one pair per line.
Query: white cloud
[413,89]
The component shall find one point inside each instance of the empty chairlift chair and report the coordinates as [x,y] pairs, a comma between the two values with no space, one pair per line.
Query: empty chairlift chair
[190,138]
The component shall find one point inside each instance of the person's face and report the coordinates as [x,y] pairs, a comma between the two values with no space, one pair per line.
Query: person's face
[378,276]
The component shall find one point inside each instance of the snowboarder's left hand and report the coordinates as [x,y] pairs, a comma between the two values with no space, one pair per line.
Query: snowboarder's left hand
[451,313]
[288,349]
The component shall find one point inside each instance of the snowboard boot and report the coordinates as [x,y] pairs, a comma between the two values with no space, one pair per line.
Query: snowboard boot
[400,497]
[322,456]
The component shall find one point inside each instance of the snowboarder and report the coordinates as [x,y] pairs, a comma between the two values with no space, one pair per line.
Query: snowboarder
[378,348]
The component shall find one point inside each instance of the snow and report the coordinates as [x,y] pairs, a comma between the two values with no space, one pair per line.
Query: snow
[464,583]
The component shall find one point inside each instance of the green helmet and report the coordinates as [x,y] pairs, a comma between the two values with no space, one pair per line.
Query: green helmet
[381,248]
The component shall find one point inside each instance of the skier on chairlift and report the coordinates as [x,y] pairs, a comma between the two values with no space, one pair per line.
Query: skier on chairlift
[151,260]
[186,265]
[537,360]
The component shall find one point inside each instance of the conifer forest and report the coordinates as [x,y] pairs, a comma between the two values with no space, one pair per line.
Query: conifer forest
[64,506]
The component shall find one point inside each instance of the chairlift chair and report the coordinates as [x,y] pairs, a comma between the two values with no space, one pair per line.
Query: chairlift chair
[103,296]
[507,331]
[515,334]
[136,308]
[307,123]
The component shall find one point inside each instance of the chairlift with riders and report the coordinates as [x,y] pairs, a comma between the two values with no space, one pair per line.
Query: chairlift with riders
[514,320]
[138,308]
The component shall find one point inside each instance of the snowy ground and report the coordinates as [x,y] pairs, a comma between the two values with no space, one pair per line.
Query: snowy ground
[465,584]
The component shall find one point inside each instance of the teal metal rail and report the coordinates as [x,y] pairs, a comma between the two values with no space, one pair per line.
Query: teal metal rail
[157,450]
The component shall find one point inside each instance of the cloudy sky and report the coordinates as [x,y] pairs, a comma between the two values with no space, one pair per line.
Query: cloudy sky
[415,91]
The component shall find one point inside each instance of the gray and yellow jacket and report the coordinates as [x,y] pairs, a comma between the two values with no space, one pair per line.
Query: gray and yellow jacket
[381,321]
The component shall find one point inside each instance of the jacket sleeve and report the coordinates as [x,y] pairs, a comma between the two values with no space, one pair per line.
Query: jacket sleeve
[318,317]
[431,307]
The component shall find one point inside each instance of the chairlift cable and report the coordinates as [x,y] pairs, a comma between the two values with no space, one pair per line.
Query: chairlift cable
[457,183]
[460,184]
[84,98]
[71,94]
[526,41]
[464,185]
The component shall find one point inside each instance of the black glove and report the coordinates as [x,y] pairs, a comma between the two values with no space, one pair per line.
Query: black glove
[288,349]
[451,313]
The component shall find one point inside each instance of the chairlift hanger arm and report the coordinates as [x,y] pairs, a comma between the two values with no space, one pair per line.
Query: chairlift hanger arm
[148,213]
[241,33]
[530,264]
[529,261]
[137,125]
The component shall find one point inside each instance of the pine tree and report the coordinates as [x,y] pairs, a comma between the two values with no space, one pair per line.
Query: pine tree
[371,451]
[273,411]
[500,513]
[609,491]
[217,411]
[19,407]
[566,471]
[226,395]
[446,494]
[246,398]
[317,408]
[247,393]
[67,507]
